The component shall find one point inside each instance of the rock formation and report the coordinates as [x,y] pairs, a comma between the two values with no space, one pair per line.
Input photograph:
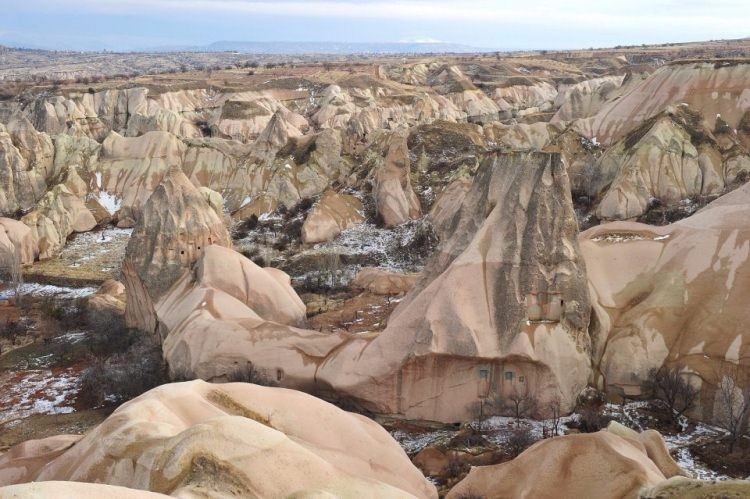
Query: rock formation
[503,302]
[238,439]
[332,214]
[394,198]
[176,225]
[657,293]
[598,465]
[16,243]
[383,282]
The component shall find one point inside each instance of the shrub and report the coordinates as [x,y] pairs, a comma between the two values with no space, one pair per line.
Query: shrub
[519,440]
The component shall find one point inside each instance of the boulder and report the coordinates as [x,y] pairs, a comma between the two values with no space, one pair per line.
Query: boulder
[109,299]
[598,465]
[22,462]
[16,242]
[383,282]
[237,439]
[331,215]
[686,488]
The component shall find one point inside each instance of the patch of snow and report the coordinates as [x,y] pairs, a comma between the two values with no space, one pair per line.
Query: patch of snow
[48,290]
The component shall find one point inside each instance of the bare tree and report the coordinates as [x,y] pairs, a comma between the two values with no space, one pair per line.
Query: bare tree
[12,270]
[554,411]
[670,386]
[733,401]
[519,440]
[522,402]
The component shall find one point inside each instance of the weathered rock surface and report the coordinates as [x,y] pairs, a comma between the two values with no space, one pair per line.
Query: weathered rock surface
[176,225]
[596,465]
[394,198]
[109,299]
[502,295]
[586,98]
[73,490]
[383,282]
[332,214]
[713,88]
[56,216]
[196,438]
[16,242]
[657,291]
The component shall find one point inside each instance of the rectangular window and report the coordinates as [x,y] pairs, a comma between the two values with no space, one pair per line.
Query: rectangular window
[509,375]
[521,379]
[484,373]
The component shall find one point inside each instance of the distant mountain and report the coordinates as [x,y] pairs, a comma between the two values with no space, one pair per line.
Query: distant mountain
[285,48]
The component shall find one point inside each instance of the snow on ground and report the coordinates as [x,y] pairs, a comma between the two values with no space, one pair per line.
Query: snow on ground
[48,290]
[37,391]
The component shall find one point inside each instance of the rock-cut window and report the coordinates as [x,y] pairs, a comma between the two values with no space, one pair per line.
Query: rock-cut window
[509,375]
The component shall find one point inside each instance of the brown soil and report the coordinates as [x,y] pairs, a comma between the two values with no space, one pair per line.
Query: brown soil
[362,313]
[716,456]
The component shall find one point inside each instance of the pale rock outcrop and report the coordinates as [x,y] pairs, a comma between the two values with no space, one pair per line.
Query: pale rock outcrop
[670,158]
[383,282]
[394,198]
[657,292]
[23,171]
[56,216]
[447,205]
[162,120]
[132,167]
[229,314]
[110,299]
[73,490]
[336,108]
[519,94]
[600,465]
[277,133]
[503,302]
[200,439]
[686,488]
[16,243]
[586,98]
[332,214]
[176,225]
[22,462]
[711,87]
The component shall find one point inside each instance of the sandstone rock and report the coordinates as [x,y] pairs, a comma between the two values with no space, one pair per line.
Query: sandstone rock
[383,282]
[73,490]
[189,439]
[131,168]
[21,184]
[176,225]
[656,292]
[110,298]
[595,465]
[522,93]
[709,87]
[22,462]
[586,98]
[447,205]
[277,133]
[503,302]
[394,198]
[16,239]
[670,158]
[685,488]
[57,215]
[332,214]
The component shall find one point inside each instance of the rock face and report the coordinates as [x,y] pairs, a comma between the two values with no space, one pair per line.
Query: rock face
[176,225]
[586,98]
[598,465]
[229,315]
[383,282]
[16,240]
[331,215]
[73,490]
[58,214]
[669,158]
[109,299]
[394,198]
[657,292]
[502,304]
[195,438]
[715,88]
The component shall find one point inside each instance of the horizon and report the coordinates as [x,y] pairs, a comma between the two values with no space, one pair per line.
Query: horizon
[143,25]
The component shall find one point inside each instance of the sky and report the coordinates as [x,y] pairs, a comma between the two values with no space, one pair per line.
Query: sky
[491,24]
